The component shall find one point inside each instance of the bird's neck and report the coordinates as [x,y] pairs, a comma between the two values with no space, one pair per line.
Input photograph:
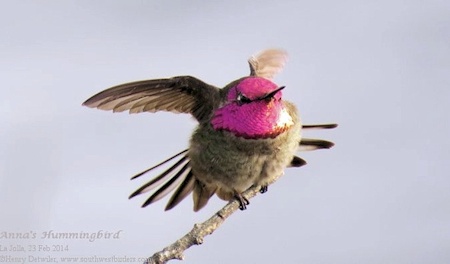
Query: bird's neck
[256,120]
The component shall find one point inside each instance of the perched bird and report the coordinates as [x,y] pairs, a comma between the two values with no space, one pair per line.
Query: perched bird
[246,134]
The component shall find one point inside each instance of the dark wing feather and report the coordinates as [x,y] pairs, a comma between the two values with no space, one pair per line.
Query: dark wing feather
[320,126]
[313,144]
[306,144]
[181,94]
[297,162]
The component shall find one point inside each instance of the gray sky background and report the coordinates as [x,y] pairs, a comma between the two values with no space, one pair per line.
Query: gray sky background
[378,68]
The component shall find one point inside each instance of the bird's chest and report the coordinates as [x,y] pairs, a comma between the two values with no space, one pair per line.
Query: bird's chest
[233,162]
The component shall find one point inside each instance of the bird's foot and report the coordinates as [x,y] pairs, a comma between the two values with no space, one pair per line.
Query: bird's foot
[243,202]
[264,188]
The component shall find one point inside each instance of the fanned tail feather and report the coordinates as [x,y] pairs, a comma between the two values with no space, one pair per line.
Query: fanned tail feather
[159,179]
[183,190]
[179,174]
[159,164]
[169,185]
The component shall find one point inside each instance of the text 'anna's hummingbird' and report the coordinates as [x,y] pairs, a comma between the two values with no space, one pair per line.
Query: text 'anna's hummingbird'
[247,134]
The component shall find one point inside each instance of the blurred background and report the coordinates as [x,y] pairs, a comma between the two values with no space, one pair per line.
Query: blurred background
[378,68]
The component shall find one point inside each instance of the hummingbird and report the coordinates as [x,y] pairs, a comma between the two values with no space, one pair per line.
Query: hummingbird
[246,133]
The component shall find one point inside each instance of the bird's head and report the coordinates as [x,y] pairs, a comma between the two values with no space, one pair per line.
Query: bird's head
[253,109]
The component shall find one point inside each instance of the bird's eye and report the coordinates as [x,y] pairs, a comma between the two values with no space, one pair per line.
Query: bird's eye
[241,99]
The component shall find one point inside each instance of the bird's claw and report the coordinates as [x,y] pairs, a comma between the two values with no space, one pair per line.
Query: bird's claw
[243,202]
[264,188]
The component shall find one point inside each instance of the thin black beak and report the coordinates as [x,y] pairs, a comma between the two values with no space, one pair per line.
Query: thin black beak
[272,94]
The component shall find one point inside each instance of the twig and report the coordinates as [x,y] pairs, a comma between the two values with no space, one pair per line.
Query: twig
[200,230]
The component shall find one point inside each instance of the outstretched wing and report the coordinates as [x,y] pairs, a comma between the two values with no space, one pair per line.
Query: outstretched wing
[181,94]
[268,63]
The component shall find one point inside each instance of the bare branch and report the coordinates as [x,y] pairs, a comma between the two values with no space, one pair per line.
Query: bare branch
[196,235]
